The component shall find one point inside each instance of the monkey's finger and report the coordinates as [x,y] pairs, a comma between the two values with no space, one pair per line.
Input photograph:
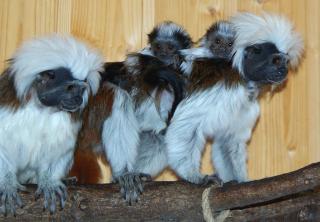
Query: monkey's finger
[122,189]
[37,194]
[11,206]
[138,184]
[3,199]
[134,197]
[1,203]
[53,202]
[63,188]
[61,197]
[45,200]
[2,209]
[128,199]
[18,200]
[130,183]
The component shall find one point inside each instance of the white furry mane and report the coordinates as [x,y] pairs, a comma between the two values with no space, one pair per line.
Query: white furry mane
[52,52]
[252,29]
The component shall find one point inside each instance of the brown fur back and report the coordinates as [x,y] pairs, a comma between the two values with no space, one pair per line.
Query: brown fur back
[208,72]
[8,96]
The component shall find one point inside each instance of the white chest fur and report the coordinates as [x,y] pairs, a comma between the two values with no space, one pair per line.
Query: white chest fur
[32,137]
[218,111]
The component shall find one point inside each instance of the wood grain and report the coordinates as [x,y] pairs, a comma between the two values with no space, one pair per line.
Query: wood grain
[287,135]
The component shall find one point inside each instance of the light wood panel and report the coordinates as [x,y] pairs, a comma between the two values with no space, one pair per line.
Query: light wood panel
[287,135]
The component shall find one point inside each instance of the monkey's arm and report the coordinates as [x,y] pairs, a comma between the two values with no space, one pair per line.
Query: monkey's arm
[50,184]
[9,185]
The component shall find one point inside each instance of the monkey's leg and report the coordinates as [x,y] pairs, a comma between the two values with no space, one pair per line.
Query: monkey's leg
[238,157]
[221,160]
[151,160]
[120,140]
[50,184]
[229,158]
[185,144]
[152,157]
[9,186]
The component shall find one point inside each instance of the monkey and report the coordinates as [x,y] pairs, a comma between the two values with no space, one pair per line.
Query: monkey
[264,50]
[217,42]
[157,90]
[150,86]
[165,42]
[43,92]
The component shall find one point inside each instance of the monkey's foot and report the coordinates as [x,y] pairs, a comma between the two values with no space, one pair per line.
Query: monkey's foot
[70,181]
[9,199]
[50,192]
[131,185]
[212,179]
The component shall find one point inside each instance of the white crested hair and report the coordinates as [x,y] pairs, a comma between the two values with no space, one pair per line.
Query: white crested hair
[252,29]
[168,28]
[52,52]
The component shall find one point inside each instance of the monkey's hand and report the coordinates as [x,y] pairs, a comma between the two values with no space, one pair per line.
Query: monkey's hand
[131,185]
[51,191]
[9,199]
[177,60]
[212,179]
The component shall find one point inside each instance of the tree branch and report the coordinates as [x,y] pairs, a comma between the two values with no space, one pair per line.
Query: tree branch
[289,197]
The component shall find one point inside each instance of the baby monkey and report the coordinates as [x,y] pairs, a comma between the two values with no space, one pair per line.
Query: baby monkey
[217,42]
[165,42]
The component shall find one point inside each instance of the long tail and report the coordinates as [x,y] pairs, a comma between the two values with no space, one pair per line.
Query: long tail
[166,76]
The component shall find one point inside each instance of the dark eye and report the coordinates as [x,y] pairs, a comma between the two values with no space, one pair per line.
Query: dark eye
[158,46]
[70,87]
[256,50]
[230,44]
[217,40]
[170,47]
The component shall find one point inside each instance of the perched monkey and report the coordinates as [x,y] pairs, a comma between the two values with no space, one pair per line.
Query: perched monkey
[165,42]
[150,89]
[217,42]
[157,90]
[218,103]
[42,94]
[219,39]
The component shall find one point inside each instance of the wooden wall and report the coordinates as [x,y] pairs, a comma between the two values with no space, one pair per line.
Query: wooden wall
[287,135]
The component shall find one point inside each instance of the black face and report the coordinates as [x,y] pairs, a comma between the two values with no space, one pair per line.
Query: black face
[57,88]
[264,63]
[220,44]
[166,50]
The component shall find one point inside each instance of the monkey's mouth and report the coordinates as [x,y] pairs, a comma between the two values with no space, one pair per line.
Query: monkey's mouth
[72,104]
[278,77]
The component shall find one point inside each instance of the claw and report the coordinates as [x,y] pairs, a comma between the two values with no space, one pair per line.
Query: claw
[50,194]
[212,179]
[9,200]
[131,186]
[70,181]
